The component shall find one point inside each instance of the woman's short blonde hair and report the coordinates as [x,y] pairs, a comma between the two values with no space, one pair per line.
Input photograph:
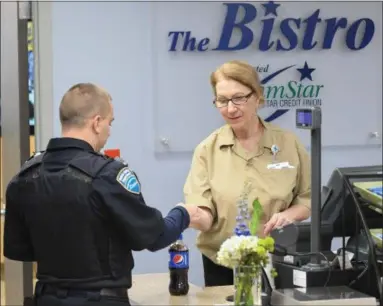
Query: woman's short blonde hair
[241,72]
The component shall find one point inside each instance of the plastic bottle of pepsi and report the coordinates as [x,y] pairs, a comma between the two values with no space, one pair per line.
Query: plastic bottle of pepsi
[179,268]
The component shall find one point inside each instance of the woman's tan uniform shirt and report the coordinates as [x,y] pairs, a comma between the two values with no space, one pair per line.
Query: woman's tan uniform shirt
[220,167]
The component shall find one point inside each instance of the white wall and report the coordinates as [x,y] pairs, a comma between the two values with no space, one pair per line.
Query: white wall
[121,47]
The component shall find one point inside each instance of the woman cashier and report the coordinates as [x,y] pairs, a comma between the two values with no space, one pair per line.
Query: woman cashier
[245,149]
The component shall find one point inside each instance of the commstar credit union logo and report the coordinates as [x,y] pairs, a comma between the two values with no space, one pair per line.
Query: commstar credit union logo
[299,91]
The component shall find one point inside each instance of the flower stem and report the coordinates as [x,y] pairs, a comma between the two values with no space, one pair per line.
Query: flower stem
[244,290]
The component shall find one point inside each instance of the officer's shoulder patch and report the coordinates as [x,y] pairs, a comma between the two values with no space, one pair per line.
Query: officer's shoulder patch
[128,180]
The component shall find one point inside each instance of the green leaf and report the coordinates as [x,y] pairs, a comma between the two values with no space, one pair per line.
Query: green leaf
[256,217]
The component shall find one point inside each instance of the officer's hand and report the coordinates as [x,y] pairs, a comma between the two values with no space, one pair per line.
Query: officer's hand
[200,218]
[278,220]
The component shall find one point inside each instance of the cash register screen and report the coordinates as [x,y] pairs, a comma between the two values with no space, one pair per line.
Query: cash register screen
[304,118]
[376,190]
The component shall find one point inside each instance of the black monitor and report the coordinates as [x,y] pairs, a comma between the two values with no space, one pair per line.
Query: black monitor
[338,213]
[340,217]
[338,205]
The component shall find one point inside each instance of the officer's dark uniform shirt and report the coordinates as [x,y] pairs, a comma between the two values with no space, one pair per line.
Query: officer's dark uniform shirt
[80,214]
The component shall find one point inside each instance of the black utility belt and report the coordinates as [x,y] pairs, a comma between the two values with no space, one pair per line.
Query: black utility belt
[91,294]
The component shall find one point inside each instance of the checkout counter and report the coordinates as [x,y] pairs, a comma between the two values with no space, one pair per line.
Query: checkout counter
[152,289]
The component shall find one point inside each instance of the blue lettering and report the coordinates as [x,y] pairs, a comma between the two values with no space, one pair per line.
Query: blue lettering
[230,24]
[367,34]
[311,24]
[264,43]
[332,26]
[240,15]
[174,39]
[189,43]
[289,33]
[203,45]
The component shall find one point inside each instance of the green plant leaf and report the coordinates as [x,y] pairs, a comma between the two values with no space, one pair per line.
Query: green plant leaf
[256,217]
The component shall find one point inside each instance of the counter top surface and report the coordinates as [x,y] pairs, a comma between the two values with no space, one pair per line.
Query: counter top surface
[152,289]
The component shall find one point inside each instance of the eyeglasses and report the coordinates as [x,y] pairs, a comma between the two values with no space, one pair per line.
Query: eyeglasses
[219,103]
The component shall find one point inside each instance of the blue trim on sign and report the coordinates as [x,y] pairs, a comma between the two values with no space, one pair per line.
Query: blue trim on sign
[276,114]
[273,75]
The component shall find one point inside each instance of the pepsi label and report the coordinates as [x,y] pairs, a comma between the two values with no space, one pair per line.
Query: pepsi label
[179,260]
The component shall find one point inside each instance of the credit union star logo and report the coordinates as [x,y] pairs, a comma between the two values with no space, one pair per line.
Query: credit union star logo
[306,72]
[288,88]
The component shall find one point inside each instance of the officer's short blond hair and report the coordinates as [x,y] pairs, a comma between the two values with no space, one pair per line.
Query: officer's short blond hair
[241,72]
[83,101]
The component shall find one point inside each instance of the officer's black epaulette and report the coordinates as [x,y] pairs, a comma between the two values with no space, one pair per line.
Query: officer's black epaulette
[93,166]
[35,154]
[100,155]
[117,159]
[34,160]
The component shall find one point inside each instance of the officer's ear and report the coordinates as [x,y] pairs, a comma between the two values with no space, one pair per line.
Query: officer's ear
[97,124]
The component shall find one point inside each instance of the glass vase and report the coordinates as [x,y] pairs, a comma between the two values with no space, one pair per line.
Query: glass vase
[247,286]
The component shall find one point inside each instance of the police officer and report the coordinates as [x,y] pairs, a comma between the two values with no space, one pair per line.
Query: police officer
[80,214]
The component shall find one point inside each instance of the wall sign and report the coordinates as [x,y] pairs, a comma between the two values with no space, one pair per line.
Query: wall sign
[298,90]
[335,70]
[295,32]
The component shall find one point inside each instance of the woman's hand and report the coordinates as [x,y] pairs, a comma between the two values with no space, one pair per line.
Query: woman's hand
[278,220]
[294,213]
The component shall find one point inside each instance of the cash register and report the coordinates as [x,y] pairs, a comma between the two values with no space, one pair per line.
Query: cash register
[350,205]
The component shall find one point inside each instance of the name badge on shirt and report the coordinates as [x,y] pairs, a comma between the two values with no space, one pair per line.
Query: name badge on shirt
[279,166]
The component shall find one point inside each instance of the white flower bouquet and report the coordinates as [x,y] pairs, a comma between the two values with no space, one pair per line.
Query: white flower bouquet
[245,251]
[246,254]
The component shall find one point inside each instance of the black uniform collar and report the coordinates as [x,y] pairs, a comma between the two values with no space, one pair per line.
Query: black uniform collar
[66,143]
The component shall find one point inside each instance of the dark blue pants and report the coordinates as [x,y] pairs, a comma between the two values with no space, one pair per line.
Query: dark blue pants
[216,275]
